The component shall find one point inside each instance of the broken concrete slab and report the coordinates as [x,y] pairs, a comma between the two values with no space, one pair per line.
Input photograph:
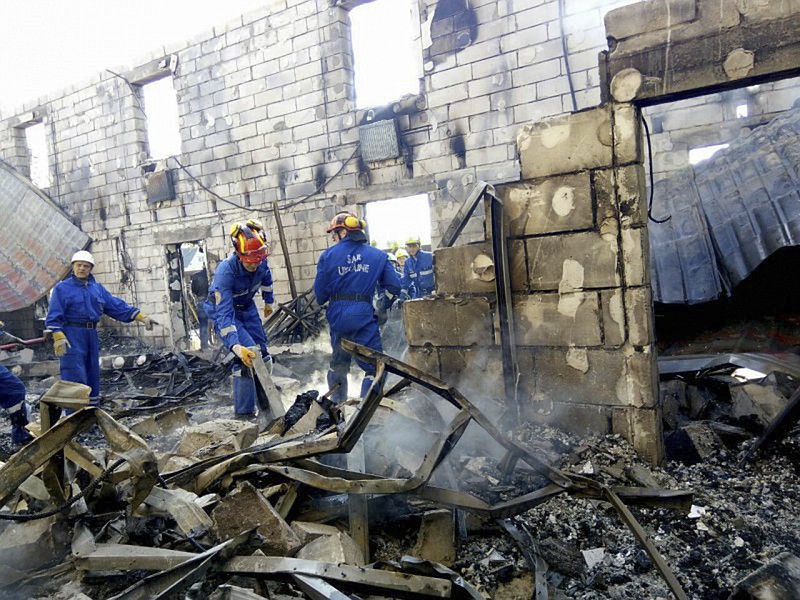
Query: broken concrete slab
[336,549]
[436,538]
[761,402]
[26,546]
[162,423]
[307,531]
[779,579]
[217,438]
[246,508]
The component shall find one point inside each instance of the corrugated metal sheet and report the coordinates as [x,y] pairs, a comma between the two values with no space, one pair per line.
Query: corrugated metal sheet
[729,214]
[36,241]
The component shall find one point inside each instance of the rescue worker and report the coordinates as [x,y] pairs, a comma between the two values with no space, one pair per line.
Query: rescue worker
[401,256]
[347,274]
[418,278]
[76,305]
[12,399]
[231,307]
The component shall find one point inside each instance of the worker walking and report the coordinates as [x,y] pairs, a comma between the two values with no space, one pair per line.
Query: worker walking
[231,307]
[418,279]
[347,275]
[12,399]
[76,305]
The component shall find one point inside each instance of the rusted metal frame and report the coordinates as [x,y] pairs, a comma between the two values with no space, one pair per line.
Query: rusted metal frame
[532,555]
[421,567]
[372,485]
[358,422]
[455,398]
[464,213]
[358,505]
[505,313]
[318,589]
[782,422]
[395,585]
[678,500]
[640,534]
[171,581]
[285,249]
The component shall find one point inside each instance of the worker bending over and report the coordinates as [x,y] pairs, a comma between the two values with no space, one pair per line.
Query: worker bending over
[76,305]
[347,274]
[418,278]
[231,307]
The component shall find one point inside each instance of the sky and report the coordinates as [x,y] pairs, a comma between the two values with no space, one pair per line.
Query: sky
[46,45]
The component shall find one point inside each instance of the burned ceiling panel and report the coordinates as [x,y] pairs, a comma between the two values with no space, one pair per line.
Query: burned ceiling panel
[36,241]
[728,214]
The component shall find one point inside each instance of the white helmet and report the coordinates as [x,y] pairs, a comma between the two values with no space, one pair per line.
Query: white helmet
[84,256]
[392,257]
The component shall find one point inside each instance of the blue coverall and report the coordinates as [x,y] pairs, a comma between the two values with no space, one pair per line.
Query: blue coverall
[384,299]
[12,399]
[76,306]
[347,274]
[236,320]
[418,278]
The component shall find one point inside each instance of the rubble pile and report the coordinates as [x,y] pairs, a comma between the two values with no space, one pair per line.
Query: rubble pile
[411,492]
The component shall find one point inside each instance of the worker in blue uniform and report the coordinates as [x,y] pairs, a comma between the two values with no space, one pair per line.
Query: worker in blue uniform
[384,299]
[76,305]
[231,307]
[347,275]
[12,399]
[418,279]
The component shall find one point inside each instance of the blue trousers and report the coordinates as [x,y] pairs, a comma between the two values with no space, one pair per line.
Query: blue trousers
[202,323]
[12,399]
[81,363]
[251,333]
[368,335]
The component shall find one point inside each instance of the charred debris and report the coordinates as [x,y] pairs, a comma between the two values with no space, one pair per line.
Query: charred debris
[412,492]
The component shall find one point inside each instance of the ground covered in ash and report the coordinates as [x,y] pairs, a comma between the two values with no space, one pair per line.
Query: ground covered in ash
[741,518]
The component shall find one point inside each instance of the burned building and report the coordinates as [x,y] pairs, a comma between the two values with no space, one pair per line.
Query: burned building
[268,124]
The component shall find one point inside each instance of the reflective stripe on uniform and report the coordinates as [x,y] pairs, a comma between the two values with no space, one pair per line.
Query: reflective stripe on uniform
[412,275]
[15,408]
[426,272]
[266,288]
[389,294]
[226,330]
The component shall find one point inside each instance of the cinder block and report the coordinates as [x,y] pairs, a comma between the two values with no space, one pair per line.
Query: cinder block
[462,269]
[561,203]
[636,256]
[567,319]
[642,427]
[566,144]
[475,372]
[581,419]
[448,321]
[614,325]
[424,358]
[627,134]
[622,377]
[572,262]
[639,311]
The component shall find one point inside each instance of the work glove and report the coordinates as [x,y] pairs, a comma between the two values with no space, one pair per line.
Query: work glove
[245,355]
[60,343]
[147,321]
[268,310]
[404,296]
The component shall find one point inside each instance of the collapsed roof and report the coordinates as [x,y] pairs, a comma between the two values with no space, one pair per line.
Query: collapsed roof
[728,214]
[37,240]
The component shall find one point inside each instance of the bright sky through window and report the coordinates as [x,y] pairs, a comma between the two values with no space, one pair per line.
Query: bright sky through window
[161,108]
[384,52]
[36,141]
[398,219]
[698,154]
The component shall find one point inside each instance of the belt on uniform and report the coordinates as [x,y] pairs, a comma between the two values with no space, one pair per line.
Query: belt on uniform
[84,325]
[351,298]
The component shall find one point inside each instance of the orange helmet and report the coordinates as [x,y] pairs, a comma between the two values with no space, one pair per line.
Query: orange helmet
[249,243]
[346,220]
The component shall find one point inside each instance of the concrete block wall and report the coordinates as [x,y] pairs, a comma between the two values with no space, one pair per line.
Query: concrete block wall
[577,239]
[266,107]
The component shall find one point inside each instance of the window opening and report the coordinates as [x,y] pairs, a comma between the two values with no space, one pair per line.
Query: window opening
[161,112]
[36,142]
[386,51]
[699,154]
[392,222]
[742,111]
[195,291]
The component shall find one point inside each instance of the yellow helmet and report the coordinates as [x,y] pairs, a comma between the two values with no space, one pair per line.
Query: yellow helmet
[413,241]
[401,253]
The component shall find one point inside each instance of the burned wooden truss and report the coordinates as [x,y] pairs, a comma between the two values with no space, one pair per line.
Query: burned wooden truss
[295,321]
[291,462]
